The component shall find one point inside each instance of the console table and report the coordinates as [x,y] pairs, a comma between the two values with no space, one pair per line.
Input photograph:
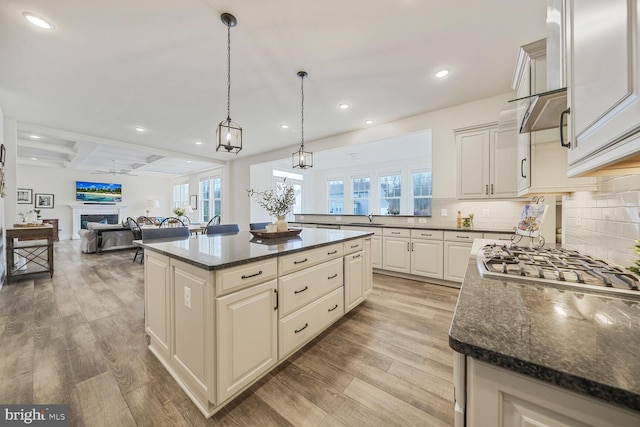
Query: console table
[29,250]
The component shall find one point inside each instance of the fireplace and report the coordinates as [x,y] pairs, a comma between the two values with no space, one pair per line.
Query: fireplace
[103,218]
[96,213]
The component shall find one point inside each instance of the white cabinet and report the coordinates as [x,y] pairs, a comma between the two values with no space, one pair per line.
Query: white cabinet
[368,271]
[541,159]
[157,299]
[247,338]
[396,244]
[603,63]
[376,242]
[353,279]
[457,248]
[498,397]
[427,253]
[486,164]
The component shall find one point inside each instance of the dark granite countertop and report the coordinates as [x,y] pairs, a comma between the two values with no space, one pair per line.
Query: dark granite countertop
[214,252]
[417,226]
[579,340]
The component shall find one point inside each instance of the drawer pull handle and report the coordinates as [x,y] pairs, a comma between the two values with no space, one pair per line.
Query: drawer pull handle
[331,309]
[275,291]
[252,275]
[395,232]
[355,256]
[301,329]
[332,277]
[462,237]
[354,246]
[426,235]
[301,290]
[299,262]
[332,253]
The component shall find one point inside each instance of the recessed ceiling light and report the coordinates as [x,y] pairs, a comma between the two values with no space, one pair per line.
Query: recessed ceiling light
[140,129]
[343,106]
[38,21]
[440,74]
[198,142]
[188,161]
[35,136]
[368,122]
[33,158]
[284,126]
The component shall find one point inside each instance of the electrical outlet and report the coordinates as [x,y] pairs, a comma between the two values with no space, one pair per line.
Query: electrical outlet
[486,212]
[411,220]
[187,297]
[579,221]
[422,220]
[443,212]
[338,218]
[301,217]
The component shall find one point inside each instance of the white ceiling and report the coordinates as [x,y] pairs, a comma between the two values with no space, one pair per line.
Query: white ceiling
[110,66]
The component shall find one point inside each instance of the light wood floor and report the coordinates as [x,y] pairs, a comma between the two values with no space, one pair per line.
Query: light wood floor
[78,339]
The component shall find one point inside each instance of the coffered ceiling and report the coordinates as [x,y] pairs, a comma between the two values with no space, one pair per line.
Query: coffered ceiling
[108,67]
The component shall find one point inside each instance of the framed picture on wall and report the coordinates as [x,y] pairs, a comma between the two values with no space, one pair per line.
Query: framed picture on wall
[44,201]
[25,196]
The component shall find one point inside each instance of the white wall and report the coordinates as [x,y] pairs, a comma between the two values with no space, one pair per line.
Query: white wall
[136,190]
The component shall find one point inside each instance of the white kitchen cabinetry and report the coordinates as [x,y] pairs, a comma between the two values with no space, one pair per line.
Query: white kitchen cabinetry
[541,159]
[486,164]
[498,397]
[353,279]
[427,253]
[368,270]
[157,300]
[457,248]
[247,339]
[376,242]
[396,244]
[603,63]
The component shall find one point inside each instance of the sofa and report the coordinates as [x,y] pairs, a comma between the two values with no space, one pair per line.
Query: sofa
[114,236]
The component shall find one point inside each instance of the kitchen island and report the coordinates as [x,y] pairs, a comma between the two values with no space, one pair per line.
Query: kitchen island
[221,311]
[526,350]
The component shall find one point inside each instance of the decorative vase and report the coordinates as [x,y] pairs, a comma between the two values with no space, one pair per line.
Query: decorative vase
[281,224]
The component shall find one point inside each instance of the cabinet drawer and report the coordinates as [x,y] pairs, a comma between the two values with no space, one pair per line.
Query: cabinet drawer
[242,276]
[304,286]
[352,246]
[427,234]
[396,232]
[461,236]
[298,328]
[294,262]
[498,236]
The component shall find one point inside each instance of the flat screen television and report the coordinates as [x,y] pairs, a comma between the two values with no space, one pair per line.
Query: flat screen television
[98,192]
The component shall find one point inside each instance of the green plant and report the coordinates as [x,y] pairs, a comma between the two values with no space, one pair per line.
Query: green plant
[636,268]
[179,212]
[276,203]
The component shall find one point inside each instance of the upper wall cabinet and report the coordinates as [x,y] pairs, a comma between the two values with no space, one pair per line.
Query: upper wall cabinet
[603,67]
[486,164]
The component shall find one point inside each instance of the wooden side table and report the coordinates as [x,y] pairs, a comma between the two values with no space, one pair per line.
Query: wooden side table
[34,255]
[54,224]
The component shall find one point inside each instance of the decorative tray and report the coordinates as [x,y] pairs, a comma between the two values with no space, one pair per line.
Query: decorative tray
[264,234]
[28,224]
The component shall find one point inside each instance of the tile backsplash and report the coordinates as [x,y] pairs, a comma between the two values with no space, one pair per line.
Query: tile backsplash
[605,224]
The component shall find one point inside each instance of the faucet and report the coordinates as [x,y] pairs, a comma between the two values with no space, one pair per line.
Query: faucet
[370,216]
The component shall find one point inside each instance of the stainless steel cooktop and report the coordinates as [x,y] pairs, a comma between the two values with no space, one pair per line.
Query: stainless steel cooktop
[550,265]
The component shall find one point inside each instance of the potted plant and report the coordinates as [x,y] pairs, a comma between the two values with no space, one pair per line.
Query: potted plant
[277,203]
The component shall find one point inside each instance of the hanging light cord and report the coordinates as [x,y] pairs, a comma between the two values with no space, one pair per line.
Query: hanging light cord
[302,109]
[228,72]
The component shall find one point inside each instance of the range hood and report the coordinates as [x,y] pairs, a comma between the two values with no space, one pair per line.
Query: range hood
[541,111]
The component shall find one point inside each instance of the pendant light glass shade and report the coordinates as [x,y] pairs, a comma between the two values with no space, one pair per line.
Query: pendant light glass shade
[229,133]
[302,159]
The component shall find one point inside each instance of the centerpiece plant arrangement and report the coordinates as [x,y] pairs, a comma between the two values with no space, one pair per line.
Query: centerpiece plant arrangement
[277,203]
[635,269]
[179,212]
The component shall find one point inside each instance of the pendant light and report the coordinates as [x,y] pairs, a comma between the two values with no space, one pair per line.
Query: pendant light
[229,134]
[302,159]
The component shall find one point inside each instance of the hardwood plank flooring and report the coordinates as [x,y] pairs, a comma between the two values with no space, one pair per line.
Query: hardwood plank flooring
[78,339]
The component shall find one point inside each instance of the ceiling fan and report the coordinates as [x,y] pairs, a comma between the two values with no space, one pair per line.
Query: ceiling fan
[114,171]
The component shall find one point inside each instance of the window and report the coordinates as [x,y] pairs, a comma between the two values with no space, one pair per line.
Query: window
[390,194]
[180,194]
[335,190]
[422,193]
[210,197]
[360,194]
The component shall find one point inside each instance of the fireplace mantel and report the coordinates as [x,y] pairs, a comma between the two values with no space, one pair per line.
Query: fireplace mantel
[80,209]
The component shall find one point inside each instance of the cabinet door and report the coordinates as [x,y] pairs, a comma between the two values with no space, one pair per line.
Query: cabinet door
[604,83]
[523,139]
[396,255]
[368,264]
[353,280]
[503,156]
[473,164]
[456,258]
[376,251]
[427,258]
[247,337]
[157,297]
